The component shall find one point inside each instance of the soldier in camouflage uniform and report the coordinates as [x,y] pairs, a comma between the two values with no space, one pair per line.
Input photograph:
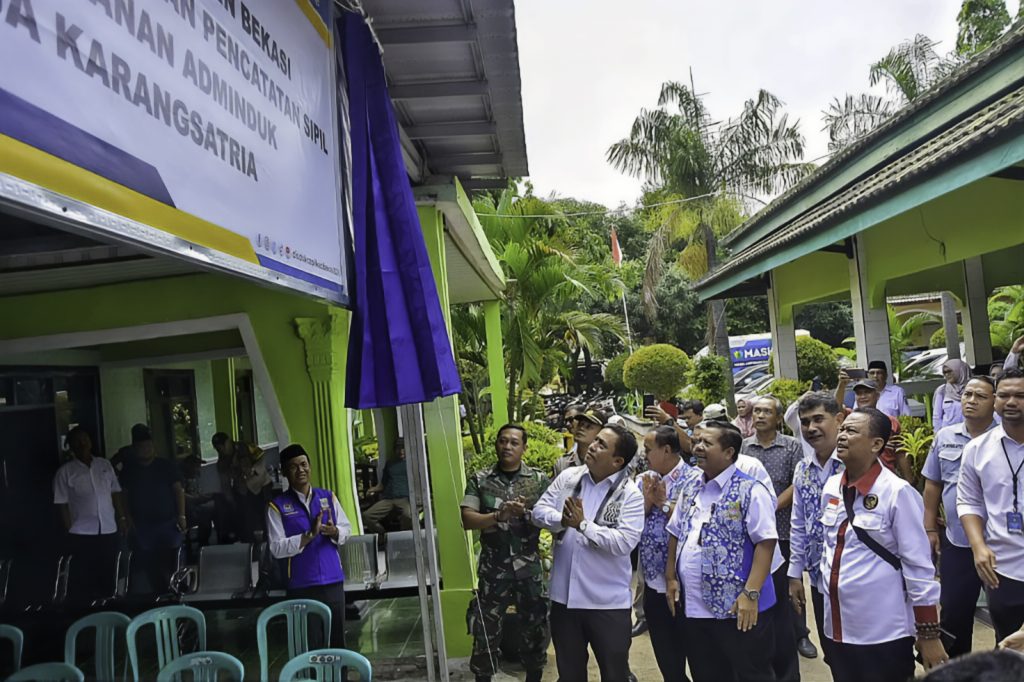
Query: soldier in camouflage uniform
[498,501]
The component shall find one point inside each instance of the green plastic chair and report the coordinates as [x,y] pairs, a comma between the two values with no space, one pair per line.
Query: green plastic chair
[51,672]
[327,665]
[110,629]
[165,622]
[205,666]
[297,612]
[17,639]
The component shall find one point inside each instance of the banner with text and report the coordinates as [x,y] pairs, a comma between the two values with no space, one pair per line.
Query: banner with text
[212,121]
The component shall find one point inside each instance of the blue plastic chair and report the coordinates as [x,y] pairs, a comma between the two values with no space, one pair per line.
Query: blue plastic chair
[110,629]
[327,665]
[165,622]
[297,612]
[205,666]
[17,639]
[51,672]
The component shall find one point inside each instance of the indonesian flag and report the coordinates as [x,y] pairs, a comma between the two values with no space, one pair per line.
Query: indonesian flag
[616,251]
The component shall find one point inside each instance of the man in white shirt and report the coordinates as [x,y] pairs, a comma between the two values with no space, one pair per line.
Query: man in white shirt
[305,525]
[877,575]
[597,516]
[88,494]
[960,582]
[721,541]
[990,503]
[819,416]
[661,484]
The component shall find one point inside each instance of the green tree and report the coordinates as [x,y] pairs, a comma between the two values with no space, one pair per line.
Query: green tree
[828,322]
[660,369]
[545,326]
[814,358]
[980,22]
[678,149]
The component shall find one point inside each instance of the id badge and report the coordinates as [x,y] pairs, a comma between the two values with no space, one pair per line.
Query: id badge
[1015,523]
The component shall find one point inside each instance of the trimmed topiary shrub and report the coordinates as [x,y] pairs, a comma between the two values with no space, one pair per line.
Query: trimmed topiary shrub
[814,359]
[660,369]
[938,339]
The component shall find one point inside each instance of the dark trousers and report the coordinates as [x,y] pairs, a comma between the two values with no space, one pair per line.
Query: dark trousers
[818,604]
[718,651]
[960,589]
[668,635]
[606,631]
[786,662]
[1006,606]
[887,662]
[93,560]
[333,596]
[800,629]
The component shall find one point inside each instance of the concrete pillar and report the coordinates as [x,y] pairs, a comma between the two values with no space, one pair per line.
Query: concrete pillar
[448,471]
[949,326]
[496,363]
[780,323]
[977,340]
[870,323]
[225,407]
[325,340]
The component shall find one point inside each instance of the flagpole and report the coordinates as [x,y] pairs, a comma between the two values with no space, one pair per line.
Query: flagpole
[617,261]
[625,313]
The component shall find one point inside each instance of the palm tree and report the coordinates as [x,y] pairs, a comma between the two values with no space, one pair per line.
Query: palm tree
[544,330]
[719,167]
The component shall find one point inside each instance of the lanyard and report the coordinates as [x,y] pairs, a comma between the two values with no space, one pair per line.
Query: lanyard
[1014,472]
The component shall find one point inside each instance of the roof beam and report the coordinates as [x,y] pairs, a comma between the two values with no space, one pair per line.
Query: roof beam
[434,130]
[460,33]
[484,183]
[488,159]
[438,90]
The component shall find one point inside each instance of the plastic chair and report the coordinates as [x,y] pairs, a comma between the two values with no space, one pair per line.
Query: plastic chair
[51,672]
[110,627]
[17,640]
[205,666]
[165,622]
[327,666]
[297,612]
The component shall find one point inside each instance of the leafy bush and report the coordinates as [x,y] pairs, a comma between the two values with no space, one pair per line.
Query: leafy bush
[613,373]
[788,390]
[659,369]
[708,379]
[814,359]
[915,438]
[938,339]
[543,447]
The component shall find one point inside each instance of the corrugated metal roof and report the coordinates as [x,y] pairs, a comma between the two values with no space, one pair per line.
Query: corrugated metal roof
[453,72]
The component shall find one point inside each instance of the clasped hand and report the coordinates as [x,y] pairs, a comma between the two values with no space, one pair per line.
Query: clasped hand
[572,513]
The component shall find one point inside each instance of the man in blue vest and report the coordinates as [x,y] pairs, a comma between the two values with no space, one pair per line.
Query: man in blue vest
[305,526]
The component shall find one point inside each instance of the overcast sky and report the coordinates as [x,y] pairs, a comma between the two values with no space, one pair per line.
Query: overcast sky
[589,66]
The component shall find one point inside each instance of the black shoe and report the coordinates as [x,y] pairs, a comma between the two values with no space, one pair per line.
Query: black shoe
[483,678]
[640,628]
[806,648]
[534,675]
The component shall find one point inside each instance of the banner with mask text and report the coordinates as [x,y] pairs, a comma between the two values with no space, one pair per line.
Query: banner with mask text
[202,128]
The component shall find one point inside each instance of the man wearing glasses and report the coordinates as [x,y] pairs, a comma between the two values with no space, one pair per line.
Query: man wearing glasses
[960,582]
[991,505]
[305,525]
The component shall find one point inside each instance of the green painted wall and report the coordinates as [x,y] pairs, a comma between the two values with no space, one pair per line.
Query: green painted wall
[271,312]
[816,276]
[448,473]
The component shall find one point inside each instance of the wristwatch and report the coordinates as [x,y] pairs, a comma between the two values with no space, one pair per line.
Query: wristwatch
[752,595]
[583,525]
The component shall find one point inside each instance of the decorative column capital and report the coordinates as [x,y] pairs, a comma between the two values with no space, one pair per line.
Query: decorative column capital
[322,337]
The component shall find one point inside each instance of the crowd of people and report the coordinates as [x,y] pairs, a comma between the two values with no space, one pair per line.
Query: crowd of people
[723,534]
[145,502]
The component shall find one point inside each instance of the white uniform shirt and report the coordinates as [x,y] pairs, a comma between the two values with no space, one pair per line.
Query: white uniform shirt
[755,468]
[986,490]
[865,602]
[759,524]
[591,570]
[86,491]
[283,546]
